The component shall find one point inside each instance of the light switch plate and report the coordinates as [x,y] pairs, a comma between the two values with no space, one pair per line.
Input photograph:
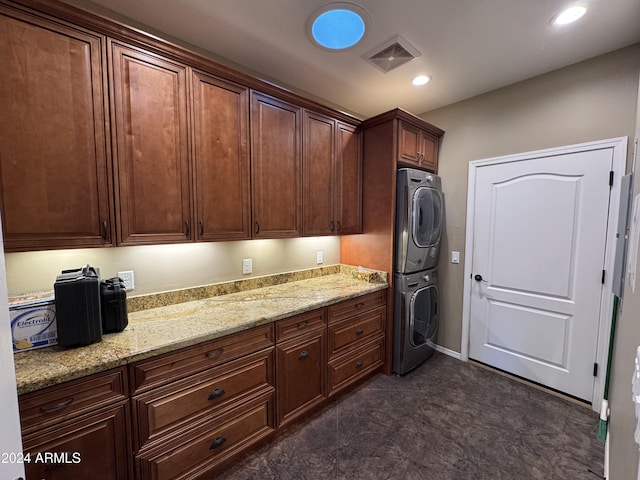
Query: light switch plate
[455,257]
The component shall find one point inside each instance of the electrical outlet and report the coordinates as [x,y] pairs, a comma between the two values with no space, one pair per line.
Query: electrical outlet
[319,257]
[128,279]
[247,266]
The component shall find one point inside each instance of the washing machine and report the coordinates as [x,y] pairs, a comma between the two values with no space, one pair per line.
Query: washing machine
[419,213]
[415,319]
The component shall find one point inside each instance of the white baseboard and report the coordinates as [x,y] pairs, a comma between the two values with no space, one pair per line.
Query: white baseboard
[446,351]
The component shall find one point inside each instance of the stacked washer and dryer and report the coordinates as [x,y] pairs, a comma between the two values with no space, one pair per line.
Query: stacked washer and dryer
[419,215]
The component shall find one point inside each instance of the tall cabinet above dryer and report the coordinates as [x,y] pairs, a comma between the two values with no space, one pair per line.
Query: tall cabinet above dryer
[391,140]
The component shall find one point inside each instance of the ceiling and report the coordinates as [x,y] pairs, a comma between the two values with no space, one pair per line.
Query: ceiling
[468,46]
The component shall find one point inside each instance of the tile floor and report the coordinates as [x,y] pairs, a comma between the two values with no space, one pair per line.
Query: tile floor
[446,420]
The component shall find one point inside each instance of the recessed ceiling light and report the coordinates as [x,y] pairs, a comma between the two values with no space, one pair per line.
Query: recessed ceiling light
[569,15]
[421,80]
[337,26]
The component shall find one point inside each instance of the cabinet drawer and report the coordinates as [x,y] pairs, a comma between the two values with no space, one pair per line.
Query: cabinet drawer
[292,327]
[355,365]
[202,449]
[351,307]
[347,333]
[45,407]
[205,394]
[171,367]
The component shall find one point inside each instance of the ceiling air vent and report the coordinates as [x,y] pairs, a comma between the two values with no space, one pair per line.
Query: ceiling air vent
[391,54]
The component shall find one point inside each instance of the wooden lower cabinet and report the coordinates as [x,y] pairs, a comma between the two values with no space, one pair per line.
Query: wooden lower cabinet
[165,369]
[355,339]
[301,374]
[79,429]
[343,335]
[197,452]
[197,408]
[194,410]
[165,411]
[94,446]
[353,366]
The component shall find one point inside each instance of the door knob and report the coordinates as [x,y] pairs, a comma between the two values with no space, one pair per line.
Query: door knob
[478,278]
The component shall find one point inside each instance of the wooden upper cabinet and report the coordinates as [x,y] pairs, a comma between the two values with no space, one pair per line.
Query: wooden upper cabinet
[332,170]
[151,149]
[276,168]
[221,158]
[349,179]
[417,148]
[54,162]
[319,172]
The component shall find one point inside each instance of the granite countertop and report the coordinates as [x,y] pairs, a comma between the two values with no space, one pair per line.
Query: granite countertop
[164,329]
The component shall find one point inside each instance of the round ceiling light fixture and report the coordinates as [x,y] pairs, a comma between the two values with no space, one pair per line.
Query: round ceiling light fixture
[569,15]
[420,80]
[338,26]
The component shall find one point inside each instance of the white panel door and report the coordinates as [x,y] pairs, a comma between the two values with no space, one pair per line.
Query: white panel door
[540,232]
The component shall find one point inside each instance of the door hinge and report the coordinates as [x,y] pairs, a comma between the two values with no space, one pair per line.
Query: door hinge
[603,277]
[595,369]
[611,178]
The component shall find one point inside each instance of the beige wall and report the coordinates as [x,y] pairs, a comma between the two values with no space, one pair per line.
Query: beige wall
[591,100]
[160,268]
[624,451]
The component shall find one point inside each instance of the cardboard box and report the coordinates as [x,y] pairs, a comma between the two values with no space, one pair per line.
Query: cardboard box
[365,275]
[33,324]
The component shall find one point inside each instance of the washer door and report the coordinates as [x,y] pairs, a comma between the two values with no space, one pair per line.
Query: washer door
[427,216]
[423,315]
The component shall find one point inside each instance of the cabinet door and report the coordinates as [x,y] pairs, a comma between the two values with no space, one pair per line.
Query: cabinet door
[95,446]
[319,194]
[150,109]
[275,167]
[221,154]
[301,375]
[54,168]
[349,180]
[409,145]
[429,153]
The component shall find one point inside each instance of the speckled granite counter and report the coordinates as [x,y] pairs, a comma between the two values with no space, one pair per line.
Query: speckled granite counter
[165,329]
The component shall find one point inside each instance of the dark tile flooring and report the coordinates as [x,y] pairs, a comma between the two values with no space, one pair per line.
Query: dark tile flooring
[445,420]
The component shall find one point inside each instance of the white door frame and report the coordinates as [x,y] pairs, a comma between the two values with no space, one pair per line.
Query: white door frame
[10,436]
[619,146]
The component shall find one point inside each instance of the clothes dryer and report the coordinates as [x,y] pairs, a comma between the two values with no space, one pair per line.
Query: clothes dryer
[419,214]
